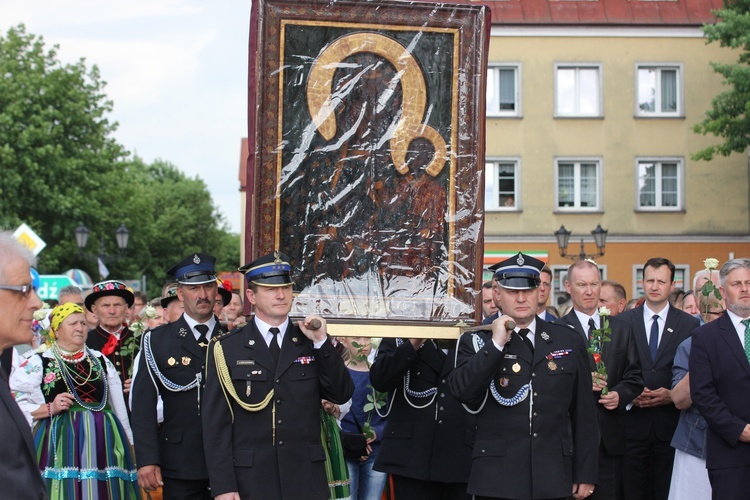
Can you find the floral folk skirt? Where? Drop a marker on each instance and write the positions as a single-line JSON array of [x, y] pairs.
[[85, 455]]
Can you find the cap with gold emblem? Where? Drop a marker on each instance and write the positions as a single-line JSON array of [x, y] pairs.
[[272, 269], [520, 272], [194, 270], [169, 297]]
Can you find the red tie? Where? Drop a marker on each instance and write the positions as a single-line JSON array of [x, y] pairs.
[[109, 347]]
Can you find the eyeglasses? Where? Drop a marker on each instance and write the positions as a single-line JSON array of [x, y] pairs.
[[25, 290], [718, 313]]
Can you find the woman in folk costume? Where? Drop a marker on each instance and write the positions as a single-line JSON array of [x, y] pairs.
[[72, 395]]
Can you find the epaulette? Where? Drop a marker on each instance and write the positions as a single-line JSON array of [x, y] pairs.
[[165, 325], [223, 335]]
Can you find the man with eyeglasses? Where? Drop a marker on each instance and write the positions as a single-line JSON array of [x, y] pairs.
[[19, 472], [720, 383]]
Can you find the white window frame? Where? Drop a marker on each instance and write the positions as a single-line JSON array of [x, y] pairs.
[[685, 279], [577, 188], [600, 88], [491, 186], [658, 161], [493, 101], [657, 113]]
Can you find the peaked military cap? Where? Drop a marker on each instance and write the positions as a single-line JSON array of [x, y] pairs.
[[194, 270], [272, 269], [169, 297], [520, 272]]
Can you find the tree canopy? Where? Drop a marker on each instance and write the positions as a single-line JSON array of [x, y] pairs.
[[62, 167], [729, 116]]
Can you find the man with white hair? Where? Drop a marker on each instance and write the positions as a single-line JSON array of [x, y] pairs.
[[19, 472]]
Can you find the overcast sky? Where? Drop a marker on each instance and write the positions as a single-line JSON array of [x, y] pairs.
[[176, 71]]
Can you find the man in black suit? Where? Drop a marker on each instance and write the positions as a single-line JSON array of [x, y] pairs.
[[264, 385], [545, 287], [624, 382], [650, 423], [428, 438], [720, 384], [530, 385], [110, 301], [19, 472], [172, 365]]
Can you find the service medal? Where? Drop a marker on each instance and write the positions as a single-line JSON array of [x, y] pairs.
[[552, 365], [171, 361], [516, 368]]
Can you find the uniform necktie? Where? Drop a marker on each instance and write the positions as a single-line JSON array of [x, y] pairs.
[[592, 327], [653, 339], [746, 322], [202, 340], [523, 332], [274, 346]]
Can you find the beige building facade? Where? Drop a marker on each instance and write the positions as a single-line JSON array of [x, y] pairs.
[[593, 125]]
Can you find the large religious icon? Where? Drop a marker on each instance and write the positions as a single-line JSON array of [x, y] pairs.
[[366, 155]]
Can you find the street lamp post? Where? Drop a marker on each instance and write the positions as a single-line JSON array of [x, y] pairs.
[[600, 239], [122, 236]]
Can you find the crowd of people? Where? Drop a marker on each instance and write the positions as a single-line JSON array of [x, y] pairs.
[[110, 395]]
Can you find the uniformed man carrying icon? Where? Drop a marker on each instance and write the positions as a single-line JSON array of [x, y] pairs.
[[537, 433], [172, 365], [264, 385]]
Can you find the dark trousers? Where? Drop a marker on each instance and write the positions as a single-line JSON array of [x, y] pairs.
[[647, 468], [496, 498], [729, 484], [609, 486], [186, 489], [414, 489]]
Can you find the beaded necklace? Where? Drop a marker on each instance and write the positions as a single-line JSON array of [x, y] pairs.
[[71, 382], [70, 357]]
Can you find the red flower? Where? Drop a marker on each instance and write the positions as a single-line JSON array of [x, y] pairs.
[[597, 358]]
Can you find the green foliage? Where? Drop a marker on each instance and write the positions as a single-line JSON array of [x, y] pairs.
[[375, 399], [61, 167], [729, 117]]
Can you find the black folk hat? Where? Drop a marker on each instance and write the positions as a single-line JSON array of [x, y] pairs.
[[225, 290], [111, 287]]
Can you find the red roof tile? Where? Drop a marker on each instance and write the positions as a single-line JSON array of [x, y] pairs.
[[604, 12]]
